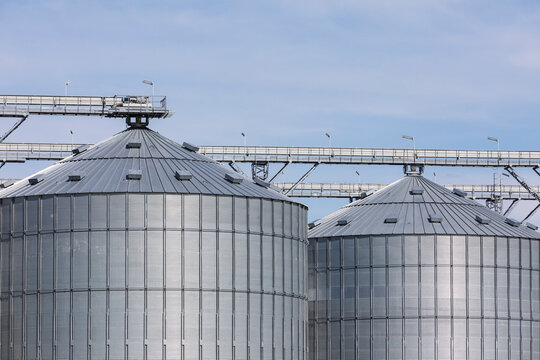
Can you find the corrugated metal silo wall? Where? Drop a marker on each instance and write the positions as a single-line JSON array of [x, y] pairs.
[[429, 297], [152, 276]]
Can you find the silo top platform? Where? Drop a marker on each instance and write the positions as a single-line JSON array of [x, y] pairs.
[[119, 106], [139, 160], [417, 206]]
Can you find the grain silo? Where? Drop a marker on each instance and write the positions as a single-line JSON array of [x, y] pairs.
[[141, 248], [416, 271]]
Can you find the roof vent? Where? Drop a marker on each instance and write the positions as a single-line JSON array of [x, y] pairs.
[[182, 175], [75, 176], [261, 182], [134, 175], [342, 222], [482, 219], [80, 149], [435, 218], [512, 222], [133, 145], [391, 219], [35, 179], [6, 184], [459, 192], [531, 226], [313, 224], [365, 194], [190, 147], [234, 178], [416, 190]]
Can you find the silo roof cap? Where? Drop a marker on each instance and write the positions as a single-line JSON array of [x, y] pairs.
[[139, 160], [415, 205]]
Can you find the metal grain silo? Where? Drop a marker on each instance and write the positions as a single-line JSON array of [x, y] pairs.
[[416, 271], [141, 248]]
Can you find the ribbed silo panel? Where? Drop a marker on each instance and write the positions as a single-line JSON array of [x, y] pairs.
[[434, 283], [108, 267]]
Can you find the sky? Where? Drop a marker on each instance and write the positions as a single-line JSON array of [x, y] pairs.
[[449, 73]]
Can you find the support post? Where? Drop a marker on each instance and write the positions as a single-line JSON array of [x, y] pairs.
[[302, 178], [511, 207], [520, 180], [138, 123], [259, 169], [14, 127], [531, 213], [495, 203], [280, 171]]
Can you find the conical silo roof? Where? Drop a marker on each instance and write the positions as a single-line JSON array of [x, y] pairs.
[[150, 159], [414, 205]]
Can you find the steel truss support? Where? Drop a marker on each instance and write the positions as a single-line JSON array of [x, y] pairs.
[[13, 128], [511, 207], [280, 171], [302, 178], [533, 211], [259, 169], [495, 203], [520, 180]]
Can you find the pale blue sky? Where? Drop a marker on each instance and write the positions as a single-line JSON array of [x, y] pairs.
[[450, 73]]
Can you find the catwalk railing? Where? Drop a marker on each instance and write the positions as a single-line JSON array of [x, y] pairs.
[[372, 156], [349, 190], [107, 106], [310, 155]]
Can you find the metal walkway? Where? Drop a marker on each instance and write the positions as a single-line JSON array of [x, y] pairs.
[[113, 106], [310, 155], [372, 156], [347, 190]]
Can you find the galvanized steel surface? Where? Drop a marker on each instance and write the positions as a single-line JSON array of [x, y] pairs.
[[366, 216], [152, 276], [99, 263], [352, 190], [13, 152], [104, 168]]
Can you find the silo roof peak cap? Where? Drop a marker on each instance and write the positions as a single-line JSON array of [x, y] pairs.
[[458, 214], [107, 163]]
